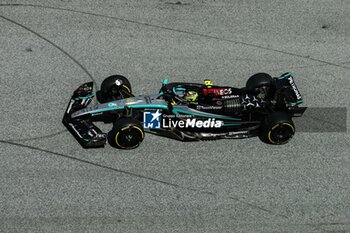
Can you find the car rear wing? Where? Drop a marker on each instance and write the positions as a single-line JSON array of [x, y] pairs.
[[288, 92], [84, 131], [286, 86]]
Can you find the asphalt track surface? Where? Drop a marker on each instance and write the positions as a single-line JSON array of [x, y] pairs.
[[48, 183]]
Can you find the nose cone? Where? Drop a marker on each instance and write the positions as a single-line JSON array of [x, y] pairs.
[[93, 110]]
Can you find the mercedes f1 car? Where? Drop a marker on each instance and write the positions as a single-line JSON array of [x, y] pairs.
[[185, 111]]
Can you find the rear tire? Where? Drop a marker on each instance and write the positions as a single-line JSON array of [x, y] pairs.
[[277, 129], [126, 134], [115, 87], [259, 83]]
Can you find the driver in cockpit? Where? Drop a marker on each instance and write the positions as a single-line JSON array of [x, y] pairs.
[[191, 96]]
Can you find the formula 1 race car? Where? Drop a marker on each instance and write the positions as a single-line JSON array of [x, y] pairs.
[[185, 111]]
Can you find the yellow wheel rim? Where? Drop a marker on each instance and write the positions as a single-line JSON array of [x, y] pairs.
[[127, 88], [128, 127], [274, 127]]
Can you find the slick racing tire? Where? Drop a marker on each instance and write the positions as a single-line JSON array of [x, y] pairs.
[[126, 134], [277, 129], [115, 87], [259, 83]]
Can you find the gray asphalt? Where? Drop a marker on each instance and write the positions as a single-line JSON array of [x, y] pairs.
[[48, 183]]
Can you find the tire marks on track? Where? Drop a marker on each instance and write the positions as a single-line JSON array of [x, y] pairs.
[[237, 199], [61, 50], [306, 57], [51, 43]]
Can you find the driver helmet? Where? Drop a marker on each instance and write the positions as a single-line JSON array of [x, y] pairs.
[[208, 83], [191, 96]]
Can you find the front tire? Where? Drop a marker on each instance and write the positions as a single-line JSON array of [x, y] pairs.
[[126, 134], [277, 129], [115, 87]]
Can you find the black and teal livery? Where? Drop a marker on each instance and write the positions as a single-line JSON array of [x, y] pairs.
[[264, 108]]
